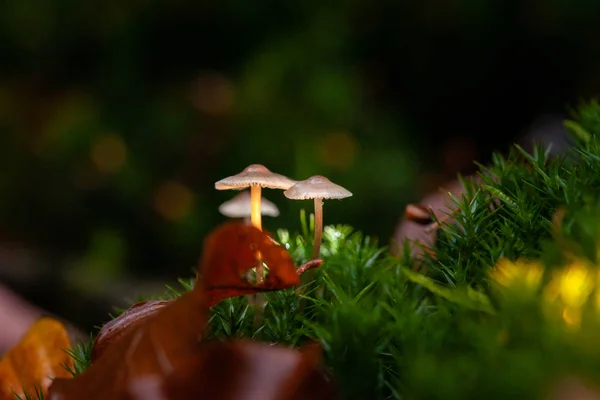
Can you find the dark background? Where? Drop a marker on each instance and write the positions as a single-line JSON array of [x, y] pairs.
[[117, 117]]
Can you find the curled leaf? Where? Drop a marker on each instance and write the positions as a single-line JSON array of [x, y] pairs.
[[153, 350], [39, 357], [154, 346], [229, 252], [418, 213], [233, 249], [114, 330]]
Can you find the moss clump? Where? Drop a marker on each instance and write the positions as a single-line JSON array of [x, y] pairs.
[[508, 306]]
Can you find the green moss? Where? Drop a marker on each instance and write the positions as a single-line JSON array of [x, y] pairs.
[[389, 332]]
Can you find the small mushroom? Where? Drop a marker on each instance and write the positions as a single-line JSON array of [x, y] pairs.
[[240, 207], [255, 177], [318, 188]]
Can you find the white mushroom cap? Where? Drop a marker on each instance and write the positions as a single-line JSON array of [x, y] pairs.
[[255, 174], [239, 207], [316, 187]]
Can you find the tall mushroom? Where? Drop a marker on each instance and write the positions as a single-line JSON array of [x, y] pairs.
[[240, 207], [255, 177], [318, 188]]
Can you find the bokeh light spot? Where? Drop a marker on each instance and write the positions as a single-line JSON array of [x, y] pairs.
[[173, 201], [213, 94], [337, 150], [109, 153]]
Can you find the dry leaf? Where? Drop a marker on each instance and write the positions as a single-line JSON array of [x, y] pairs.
[[418, 214], [114, 330], [155, 346], [39, 357], [229, 252], [241, 370], [232, 250]]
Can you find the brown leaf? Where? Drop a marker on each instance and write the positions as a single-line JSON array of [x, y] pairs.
[[241, 370], [114, 330], [152, 343], [35, 360], [418, 213], [232, 250], [229, 252], [154, 347]]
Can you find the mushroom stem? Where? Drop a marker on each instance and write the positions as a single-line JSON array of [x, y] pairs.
[[255, 216], [318, 227], [255, 206]]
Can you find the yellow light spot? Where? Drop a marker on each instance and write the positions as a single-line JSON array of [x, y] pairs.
[[519, 273], [109, 153], [337, 150], [575, 284], [173, 201]]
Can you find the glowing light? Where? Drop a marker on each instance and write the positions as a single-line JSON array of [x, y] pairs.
[[573, 285], [338, 150], [173, 201], [109, 154], [523, 273]]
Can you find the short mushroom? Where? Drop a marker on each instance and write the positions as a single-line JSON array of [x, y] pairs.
[[240, 207], [256, 177], [318, 188]]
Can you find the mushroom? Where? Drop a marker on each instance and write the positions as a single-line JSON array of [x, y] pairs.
[[256, 177], [318, 188], [240, 207]]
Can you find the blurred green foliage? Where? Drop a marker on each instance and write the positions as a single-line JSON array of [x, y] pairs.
[[509, 306], [117, 118]]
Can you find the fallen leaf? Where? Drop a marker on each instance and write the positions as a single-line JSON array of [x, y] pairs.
[[114, 330], [151, 345], [232, 250], [39, 357], [154, 346], [241, 370], [418, 213], [229, 252]]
